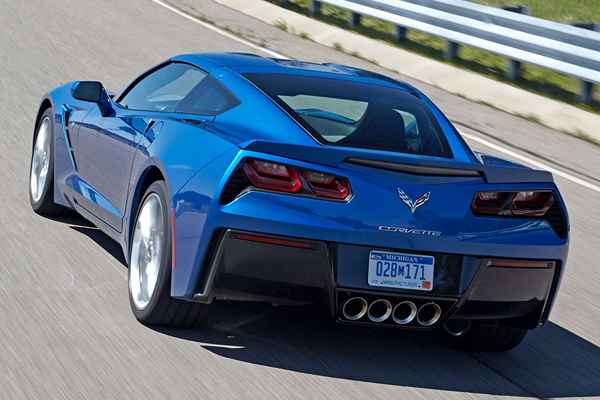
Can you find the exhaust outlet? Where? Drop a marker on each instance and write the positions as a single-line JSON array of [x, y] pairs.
[[379, 310], [457, 327], [428, 314], [404, 312], [354, 308]]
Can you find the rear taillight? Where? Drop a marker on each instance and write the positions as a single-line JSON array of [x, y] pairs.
[[327, 186], [272, 176], [534, 203], [277, 177]]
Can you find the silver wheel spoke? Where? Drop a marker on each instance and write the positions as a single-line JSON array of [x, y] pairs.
[[40, 161], [146, 251]]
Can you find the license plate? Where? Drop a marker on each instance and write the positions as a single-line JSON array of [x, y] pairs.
[[399, 270]]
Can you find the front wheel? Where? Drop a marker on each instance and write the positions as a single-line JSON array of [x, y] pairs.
[[492, 336], [150, 266], [41, 172]]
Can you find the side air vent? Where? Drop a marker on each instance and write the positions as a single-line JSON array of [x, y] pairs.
[[66, 115], [237, 183]]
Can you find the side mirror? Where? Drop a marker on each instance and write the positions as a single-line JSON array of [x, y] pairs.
[[94, 92], [88, 91]]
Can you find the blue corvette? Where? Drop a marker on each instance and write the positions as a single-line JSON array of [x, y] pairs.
[[237, 177]]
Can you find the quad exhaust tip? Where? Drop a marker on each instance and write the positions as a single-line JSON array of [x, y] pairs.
[[404, 312], [428, 314], [354, 308], [379, 310]]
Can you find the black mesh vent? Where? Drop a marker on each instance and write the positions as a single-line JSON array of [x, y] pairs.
[[556, 219], [236, 185]]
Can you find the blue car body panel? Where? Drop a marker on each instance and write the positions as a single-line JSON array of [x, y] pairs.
[[101, 162]]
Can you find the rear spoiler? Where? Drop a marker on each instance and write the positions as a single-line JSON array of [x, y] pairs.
[[406, 163], [516, 174]]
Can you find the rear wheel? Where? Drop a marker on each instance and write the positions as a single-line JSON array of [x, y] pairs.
[[489, 336], [150, 266], [41, 172]]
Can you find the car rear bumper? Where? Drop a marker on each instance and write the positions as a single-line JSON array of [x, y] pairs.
[[283, 270]]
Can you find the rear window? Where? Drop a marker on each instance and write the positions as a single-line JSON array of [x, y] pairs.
[[347, 113]]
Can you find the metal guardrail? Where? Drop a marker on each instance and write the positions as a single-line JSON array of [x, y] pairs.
[[521, 38]]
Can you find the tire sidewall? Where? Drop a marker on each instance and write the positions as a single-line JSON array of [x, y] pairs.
[[48, 186], [163, 286]]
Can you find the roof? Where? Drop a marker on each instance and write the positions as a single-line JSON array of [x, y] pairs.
[[253, 63]]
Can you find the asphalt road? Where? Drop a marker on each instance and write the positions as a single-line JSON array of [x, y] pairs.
[[66, 330]]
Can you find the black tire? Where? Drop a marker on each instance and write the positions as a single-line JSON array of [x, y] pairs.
[[488, 337], [162, 309], [45, 205]]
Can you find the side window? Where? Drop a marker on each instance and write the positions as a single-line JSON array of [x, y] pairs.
[[209, 97], [163, 89], [412, 134]]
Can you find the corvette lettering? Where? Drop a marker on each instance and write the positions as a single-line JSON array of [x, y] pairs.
[[410, 231]]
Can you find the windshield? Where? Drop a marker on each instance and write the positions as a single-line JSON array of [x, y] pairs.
[[347, 113]]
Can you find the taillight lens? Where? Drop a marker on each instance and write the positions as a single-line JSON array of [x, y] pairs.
[[278, 177], [272, 176], [492, 203], [327, 186], [534, 204], [526, 203]]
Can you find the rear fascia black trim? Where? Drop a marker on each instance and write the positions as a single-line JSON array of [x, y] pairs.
[[211, 264], [552, 292]]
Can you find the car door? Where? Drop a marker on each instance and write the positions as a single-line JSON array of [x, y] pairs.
[[108, 144]]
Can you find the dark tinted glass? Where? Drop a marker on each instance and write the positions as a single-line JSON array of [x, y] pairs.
[[179, 87], [348, 113], [209, 97]]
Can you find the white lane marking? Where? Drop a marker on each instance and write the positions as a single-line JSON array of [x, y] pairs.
[[477, 139], [221, 346], [532, 162], [219, 30]]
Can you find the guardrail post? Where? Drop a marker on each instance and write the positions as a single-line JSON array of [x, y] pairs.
[[520, 9], [586, 92], [590, 26], [514, 70], [586, 95], [314, 7], [451, 52], [400, 33], [355, 20], [514, 67]]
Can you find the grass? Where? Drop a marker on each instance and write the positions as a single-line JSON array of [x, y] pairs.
[[281, 24], [534, 79], [531, 118], [566, 11]]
